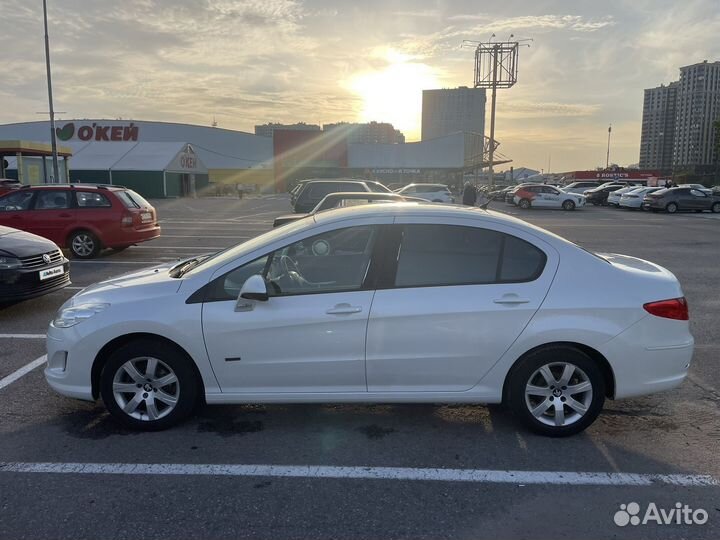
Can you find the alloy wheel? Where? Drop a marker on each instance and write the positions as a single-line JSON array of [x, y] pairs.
[[83, 245], [146, 388], [558, 394]]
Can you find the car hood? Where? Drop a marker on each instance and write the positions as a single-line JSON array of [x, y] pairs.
[[140, 284], [18, 243]]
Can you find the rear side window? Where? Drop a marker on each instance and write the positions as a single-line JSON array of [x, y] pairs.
[[52, 200], [91, 199], [442, 255]]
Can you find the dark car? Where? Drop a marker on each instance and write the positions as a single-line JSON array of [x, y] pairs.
[[314, 191], [599, 195], [336, 200], [681, 198], [30, 266]]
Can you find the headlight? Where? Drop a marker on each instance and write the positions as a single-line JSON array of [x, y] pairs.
[[74, 315], [8, 263]]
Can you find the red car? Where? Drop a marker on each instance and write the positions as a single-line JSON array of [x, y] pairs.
[[83, 218]]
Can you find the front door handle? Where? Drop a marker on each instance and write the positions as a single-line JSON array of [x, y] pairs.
[[511, 299], [343, 309]]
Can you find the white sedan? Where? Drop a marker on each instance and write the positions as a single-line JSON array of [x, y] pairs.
[[429, 192], [634, 198], [398, 302], [544, 196], [614, 196]]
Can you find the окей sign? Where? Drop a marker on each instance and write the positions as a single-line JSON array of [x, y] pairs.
[[97, 132]]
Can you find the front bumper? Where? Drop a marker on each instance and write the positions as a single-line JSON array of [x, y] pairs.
[[25, 283], [69, 373]]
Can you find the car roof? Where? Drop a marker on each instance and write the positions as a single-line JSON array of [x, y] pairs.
[[336, 181], [427, 184], [105, 187], [362, 195]]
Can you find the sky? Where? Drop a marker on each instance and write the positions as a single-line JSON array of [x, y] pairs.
[[247, 62]]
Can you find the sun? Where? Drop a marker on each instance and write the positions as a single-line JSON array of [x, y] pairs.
[[394, 93]]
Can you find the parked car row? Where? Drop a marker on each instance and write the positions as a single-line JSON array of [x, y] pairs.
[[690, 198]]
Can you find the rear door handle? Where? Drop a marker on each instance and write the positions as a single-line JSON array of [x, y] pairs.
[[511, 299], [343, 309]]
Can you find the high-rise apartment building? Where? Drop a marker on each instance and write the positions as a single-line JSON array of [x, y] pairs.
[[266, 130], [678, 129], [658, 127], [698, 108], [449, 110]]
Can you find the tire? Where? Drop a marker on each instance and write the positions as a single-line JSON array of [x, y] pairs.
[[568, 205], [528, 374], [83, 245], [715, 208], [436, 200], [146, 397], [524, 204], [671, 208]]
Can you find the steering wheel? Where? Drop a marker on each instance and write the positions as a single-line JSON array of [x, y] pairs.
[[292, 270]]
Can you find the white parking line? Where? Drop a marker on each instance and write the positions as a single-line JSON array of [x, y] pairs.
[[23, 336], [15, 375], [369, 473]]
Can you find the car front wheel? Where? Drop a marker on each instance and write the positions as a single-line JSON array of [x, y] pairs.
[[671, 208], [524, 204], [148, 385], [715, 208], [556, 391], [84, 245], [568, 205]]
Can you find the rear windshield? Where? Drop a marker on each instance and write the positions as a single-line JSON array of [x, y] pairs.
[[132, 200]]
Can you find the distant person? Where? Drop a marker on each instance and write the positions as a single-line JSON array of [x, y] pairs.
[[240, 190], [469, 196], [668, 184]]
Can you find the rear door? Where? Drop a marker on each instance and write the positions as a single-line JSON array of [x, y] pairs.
[[454, 299], [52, 214]]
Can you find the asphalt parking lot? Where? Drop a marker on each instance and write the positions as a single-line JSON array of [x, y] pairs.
[[353, 471]]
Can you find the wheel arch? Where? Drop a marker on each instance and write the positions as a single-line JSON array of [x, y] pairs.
[[104, 353], [603, 364]]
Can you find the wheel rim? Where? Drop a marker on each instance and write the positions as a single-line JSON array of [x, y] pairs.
[[716, 208], [558, 394], [568, 205], [671, 208], [146, 388], [83, 244]]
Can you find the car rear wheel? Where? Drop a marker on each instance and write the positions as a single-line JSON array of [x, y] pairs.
[[148, 385], [671, 208], [524, 204], [556, 391], [568, 205], [84, 244], [715, 208]]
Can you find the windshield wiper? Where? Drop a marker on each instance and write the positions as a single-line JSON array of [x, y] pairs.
[[180, 270]]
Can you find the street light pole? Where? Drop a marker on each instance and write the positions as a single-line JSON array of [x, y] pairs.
[[53, 136], [607, 159]]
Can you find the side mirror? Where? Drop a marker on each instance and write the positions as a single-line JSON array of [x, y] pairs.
[[254, 288]]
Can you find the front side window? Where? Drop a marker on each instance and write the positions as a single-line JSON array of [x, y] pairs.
[[443, 255], [52, 200], [16, 201], [333, 261]]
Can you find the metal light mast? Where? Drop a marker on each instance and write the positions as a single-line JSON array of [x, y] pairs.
[[496, 66], [53, 137]]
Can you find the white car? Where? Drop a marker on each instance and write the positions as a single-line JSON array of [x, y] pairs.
[[634, 198], [544, 196], [580, 187], [398, 302], [429, 192], [614, 196]]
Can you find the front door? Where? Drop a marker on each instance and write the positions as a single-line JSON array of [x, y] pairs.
[[309, 336], [460, 296]]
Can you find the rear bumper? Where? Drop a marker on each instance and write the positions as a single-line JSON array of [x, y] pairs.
[[651, 356], [129, 236]]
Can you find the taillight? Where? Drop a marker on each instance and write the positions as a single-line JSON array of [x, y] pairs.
[[675, 308], [126, 220]]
